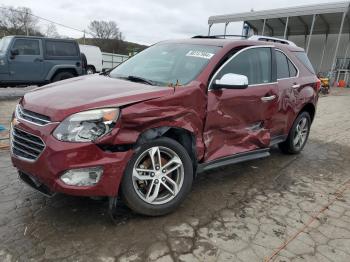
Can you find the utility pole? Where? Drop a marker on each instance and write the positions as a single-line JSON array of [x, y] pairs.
[[26, 22], [84, 37]]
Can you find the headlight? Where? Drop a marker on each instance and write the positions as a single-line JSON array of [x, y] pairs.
[[87, 126]]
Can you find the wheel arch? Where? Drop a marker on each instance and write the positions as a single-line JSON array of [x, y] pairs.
[[310, 108], [183, 136], [62, 68], [92, 66]]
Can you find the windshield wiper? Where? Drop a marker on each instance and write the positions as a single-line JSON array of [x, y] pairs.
[[106, 72], [140, 79]]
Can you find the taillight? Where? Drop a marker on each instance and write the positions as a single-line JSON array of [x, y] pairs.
[[318, 85]]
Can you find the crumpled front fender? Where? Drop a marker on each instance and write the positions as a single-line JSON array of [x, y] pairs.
[[185, 109]]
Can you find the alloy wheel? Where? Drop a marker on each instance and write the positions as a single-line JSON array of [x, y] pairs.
[[301, 133], [158, 175]]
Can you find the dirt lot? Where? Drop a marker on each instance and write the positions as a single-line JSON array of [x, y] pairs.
[[287, 208]]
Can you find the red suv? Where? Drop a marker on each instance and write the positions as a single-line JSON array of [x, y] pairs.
[[145, 129]]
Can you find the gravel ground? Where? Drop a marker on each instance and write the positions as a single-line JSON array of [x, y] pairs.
[[14, 92], [282, 208]]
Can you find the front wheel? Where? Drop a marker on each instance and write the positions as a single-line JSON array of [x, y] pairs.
[[158, 177], [298, 135]]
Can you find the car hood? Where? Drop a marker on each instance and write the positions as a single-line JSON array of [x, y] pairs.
[[60, 99]]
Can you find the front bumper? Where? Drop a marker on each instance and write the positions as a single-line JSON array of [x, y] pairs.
[[58, 157]]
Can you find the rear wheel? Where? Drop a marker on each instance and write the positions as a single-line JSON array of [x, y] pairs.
[[298, 135], [90, 70], [157, 178], [62, 76]]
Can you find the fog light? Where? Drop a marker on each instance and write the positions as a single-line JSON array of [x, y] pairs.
[[82, 177]]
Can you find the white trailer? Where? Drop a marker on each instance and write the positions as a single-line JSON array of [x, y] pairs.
[[94, 58]]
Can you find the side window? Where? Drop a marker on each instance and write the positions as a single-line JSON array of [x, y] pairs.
[[27, 46], [292, 70], [60, 48], [282, 65], [255, 63], [285, 68]]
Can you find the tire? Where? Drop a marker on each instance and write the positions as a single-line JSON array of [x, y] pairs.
[[62, 76], [140, 195], [90, 70], [294, 145]]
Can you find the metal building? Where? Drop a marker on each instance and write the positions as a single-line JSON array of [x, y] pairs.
[[322, 29]]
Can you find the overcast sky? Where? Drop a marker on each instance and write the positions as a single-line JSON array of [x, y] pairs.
[[148, 21]]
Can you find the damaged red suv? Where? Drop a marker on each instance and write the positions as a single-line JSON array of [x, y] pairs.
[[143, 131]]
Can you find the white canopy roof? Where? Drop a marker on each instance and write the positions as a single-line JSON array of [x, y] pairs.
[[328, 19]]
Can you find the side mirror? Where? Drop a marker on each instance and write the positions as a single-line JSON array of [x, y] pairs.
[[231, 81], [14, 53]]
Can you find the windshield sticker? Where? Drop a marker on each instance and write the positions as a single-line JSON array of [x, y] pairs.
[[200, 54]]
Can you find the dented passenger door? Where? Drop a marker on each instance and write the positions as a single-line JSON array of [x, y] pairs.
[[239, 117]]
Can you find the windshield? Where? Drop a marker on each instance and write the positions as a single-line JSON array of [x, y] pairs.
[[4, 42], [167, 63]]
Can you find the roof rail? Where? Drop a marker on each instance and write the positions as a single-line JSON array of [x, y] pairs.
[[271, 39], [218, 36]]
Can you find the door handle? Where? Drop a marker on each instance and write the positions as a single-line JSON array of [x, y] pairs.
[[295, 86], [38, 60], [268, 98]]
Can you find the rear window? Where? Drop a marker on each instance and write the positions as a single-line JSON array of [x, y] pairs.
[[59, 48], [305, 60], [293, 71], [282, 65], [285, 68]]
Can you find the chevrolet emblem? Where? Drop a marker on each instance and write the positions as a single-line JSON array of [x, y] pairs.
[[15, 121]]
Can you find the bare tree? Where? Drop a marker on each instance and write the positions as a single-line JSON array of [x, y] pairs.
[[51, 31], [26, 19], [18, 21], [8, 21], [105, 30]]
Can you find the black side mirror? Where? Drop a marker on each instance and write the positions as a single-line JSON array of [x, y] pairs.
[[14, 53]]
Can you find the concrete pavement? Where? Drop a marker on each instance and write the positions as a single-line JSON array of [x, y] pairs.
[[282, 208]]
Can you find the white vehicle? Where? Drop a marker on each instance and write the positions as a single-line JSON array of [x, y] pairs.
[[94, 58]]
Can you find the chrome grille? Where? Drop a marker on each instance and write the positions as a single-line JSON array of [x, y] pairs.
[[25, 145], [32, 117]]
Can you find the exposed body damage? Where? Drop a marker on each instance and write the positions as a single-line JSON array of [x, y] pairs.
[[231, 130], [184, 109]]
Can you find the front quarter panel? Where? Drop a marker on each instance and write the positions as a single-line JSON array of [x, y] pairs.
[[185, 109]]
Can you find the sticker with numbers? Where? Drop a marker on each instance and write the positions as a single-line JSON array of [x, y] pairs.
[[200, 54]]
